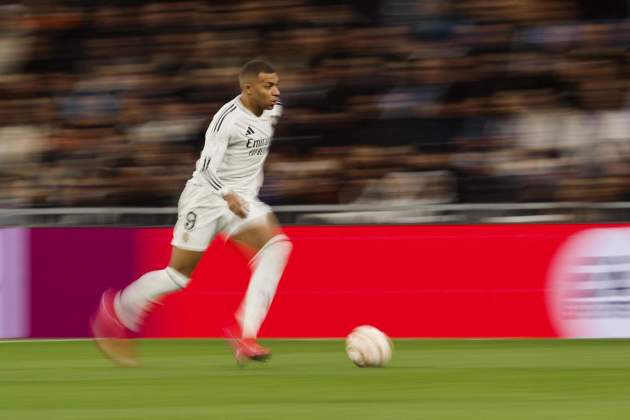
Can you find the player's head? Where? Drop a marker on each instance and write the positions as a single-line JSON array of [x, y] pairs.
[[259, 83]]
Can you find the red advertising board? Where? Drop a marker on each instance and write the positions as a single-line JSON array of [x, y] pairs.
[[410, 281]]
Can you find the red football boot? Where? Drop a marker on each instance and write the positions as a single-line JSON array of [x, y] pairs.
[[110, 335], [246, 349]]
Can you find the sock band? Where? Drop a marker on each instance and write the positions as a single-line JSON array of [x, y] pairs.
[[277, 238], [176, 277]]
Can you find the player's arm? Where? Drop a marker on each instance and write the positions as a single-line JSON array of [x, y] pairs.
[[217, 138], [237, 205]]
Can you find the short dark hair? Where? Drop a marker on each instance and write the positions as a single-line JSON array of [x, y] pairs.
[[253, 67]]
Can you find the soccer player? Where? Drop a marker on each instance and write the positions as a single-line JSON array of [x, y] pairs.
[[220, 197]]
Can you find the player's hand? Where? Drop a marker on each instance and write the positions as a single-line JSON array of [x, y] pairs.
[[237, 205]]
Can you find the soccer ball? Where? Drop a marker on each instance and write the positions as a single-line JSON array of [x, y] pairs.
[[367, 346]]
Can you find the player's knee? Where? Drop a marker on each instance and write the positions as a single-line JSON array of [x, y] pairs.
[[183, 269], [184, 261]]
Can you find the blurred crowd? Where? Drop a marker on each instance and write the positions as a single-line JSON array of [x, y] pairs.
[[105, 103]]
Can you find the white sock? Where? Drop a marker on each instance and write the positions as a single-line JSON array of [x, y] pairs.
[[133, 302], [268, 265]]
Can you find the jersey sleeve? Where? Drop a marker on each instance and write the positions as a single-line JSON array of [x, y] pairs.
[[217, 139]]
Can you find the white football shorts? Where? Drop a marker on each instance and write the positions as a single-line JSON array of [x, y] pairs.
[[202, 214]]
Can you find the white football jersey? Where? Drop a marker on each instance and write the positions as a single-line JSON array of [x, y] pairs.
[[237, 144]]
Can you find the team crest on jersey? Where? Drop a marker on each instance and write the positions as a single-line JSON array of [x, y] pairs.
[[191, 219]]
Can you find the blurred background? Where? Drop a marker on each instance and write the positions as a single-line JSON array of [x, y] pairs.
[[439, 107]]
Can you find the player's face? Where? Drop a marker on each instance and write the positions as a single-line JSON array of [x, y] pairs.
[[265, 91]]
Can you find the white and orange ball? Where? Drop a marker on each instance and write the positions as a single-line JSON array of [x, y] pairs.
[[368, 346]]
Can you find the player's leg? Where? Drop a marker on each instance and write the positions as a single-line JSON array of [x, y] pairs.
[[120, 315], [272, 249], [133, 303], [264, 236]]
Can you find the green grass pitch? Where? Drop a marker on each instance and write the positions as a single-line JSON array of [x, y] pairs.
[[427, 379]]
